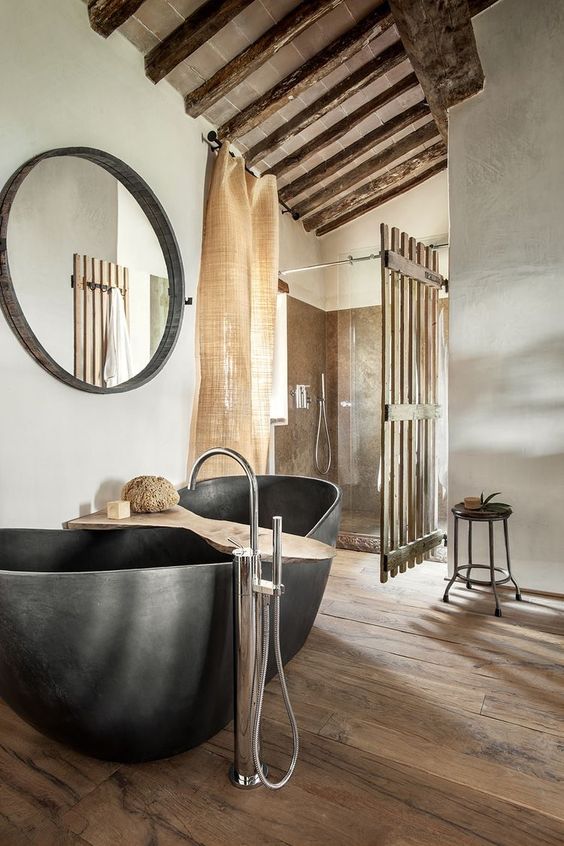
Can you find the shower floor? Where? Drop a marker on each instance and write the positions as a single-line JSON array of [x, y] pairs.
[[359, 530]]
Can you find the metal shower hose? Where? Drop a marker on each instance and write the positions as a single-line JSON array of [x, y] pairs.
[[260, 693]]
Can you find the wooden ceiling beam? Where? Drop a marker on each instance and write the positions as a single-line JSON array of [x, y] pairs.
[[372, 165], [313, 70], [378, 185], [375, 68], [256, 54], [198, 28], [337, 130], [384, 197], [439, 40], [106, 15], [350, 153]]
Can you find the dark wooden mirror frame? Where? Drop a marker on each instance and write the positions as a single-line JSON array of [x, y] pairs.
[[166, 238]]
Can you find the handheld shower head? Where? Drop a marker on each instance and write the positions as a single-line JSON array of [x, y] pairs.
[[322, 421]]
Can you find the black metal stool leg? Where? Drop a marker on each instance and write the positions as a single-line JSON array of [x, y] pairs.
[[517, 589], [455, 574], [469, 570], [492, 569]]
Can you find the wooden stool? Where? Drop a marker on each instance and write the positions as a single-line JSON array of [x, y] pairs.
[[490, 517]]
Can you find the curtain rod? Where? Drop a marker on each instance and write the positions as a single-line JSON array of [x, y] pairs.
[[215, 144], [348, 260]]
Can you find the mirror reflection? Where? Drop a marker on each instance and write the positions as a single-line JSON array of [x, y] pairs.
[[88, 270]]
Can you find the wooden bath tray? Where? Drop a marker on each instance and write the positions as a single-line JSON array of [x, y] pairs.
[[218, 533]]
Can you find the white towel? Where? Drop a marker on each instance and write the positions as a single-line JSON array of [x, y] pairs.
[[117, 365]]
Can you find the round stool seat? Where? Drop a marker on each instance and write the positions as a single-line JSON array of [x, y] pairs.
[[483, 516]]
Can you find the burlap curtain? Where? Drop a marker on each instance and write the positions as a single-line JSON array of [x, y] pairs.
[[236, 310]]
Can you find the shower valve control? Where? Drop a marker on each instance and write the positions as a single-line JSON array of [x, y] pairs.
[[345, 404], [301, 397]]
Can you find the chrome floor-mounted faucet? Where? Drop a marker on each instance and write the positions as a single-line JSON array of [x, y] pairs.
[[251, 595]]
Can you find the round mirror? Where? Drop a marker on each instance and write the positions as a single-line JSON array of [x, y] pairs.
[[91, 275]]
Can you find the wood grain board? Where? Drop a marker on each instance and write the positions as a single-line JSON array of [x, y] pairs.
[[221, 534], [420, 724]]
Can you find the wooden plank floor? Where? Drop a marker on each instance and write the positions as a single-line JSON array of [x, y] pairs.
[[421, 723]]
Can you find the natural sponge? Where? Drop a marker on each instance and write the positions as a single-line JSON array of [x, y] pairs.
[[149, 494]]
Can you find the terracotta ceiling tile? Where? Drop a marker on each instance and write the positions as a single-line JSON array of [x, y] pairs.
[[371, 122], [253, 21], [138, 34], [185, 7], [184, 78], [264, 78], [387, 38], [253, 137], [286, 60], [205, 61], [221, 111], [230, 41], [310, 132], [159, 17], [310, 95], [243, 93], [324, 31], [401, 133], [272, 123], [397, 73], [332, 117], [278, 8]]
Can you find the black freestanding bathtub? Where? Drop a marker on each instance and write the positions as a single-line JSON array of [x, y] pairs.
[[119, 643]]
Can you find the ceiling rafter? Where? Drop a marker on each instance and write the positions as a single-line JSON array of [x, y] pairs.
[[256, 54], [198, 28], [436, 43], [350, 153], [439, 40], [313, 70], [359, 79], [106, 15], [379, 199], [377, 185], [372, 165], [337, 130]]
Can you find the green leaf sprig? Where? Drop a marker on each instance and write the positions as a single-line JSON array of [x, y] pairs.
[[486, 503]]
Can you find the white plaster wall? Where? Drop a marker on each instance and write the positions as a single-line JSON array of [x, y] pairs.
[[61, 450], [299, 248], [507, 283], [421, 212]]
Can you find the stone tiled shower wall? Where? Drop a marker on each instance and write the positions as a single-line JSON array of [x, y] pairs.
[[346, 346], [295, 443]]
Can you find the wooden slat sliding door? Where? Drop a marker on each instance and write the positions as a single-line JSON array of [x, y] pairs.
[[92, 280], [409, 491]]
